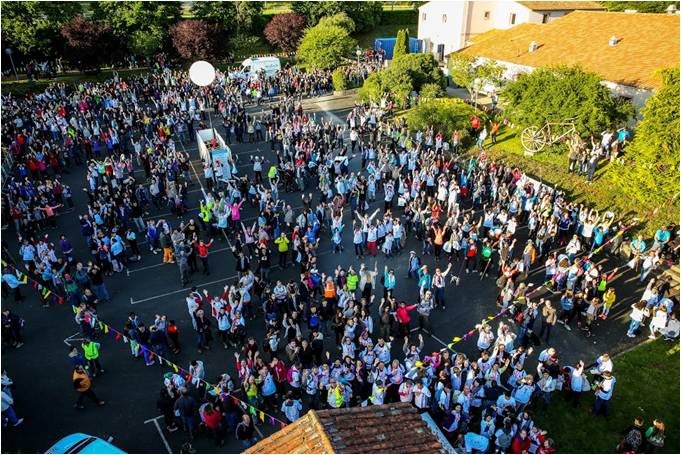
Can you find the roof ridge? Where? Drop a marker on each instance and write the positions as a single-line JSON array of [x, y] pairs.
[[322, 432]]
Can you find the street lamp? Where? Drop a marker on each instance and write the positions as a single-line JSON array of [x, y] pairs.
[[202, 74], [9, 52], [358, 52]]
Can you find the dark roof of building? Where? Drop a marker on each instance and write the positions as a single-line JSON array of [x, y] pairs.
[[388, 428]]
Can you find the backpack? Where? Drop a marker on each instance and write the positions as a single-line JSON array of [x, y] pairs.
[[504, 440], [314, 321], [634, 438]]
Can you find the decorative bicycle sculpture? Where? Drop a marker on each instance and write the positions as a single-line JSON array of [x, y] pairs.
[[535, 139]]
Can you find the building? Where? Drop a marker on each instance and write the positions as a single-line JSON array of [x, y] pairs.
[[448, 26], [626, 49], [388, 428]]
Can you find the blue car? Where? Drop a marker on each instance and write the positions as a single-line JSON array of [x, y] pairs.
[[83, 443]]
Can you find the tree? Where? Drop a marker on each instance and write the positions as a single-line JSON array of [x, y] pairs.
[[406, 74], [445, 115], [340, 80], [235, 18], [126, 18], [341, 20], [420, 68], [325, 47], [473, 74], [653, 177], [366, 15], [147, 43], [196, 39], [554, 94], [285, 31], [402, 43], [431, 91], [88, 44], [34, 28], [643, 7]]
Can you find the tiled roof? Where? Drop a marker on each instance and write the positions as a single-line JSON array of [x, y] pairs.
[[646, 43], [304, 436], [389, 428], [562, 6]]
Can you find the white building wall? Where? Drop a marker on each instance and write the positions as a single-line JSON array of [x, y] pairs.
[[441, 23]]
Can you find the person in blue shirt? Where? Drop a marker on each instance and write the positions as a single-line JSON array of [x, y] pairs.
[[424, 278], [389, 281], [604, 389], [662, 237]]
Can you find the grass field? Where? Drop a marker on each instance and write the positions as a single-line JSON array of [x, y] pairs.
[[647, 386], [552, 167]]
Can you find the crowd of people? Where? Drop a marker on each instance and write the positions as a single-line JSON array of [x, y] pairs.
[[468, 216]]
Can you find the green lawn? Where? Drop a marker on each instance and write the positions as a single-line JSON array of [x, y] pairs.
[[24, 86], [552, 166], [647, 386]]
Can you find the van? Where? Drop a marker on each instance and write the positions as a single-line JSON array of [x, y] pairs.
[[84, 443], [256, 65]]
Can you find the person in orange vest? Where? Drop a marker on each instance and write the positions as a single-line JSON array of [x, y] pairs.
[[329, 289], [83, 385]]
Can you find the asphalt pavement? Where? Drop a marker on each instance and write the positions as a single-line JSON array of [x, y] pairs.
[[44, 394]]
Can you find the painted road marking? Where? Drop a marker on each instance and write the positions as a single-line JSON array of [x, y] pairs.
[[160, 432]]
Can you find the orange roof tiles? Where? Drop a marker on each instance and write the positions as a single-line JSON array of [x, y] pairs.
[[561, 6], [390, 428], [646, 43]]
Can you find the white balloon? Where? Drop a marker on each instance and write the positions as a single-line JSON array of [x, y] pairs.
[[202, 73]]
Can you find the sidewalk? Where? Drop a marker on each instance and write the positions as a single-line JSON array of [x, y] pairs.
[[483, 100]]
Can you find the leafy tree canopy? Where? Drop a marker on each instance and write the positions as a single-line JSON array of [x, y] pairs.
[[147, 42], [445, 115], [325, 47], [653, 178], [366, 15], [33, 28], [126, 18], [401, 43], [421, 69], [473, 74], [89, 44], [196, 39], [643, 7], [555, 94], [238, 17], [285, 31], [341, 20]]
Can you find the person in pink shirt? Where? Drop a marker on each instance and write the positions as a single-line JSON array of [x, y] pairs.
[[235, 210]]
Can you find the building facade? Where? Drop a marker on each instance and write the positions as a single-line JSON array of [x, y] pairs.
[[447, 26]]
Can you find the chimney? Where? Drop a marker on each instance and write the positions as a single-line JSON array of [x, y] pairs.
[[613, 40], [533, 46]]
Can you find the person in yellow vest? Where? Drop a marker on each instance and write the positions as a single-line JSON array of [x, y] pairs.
[[91, 351], [352, 280], [83, 385], [282, 246], [334, 396]]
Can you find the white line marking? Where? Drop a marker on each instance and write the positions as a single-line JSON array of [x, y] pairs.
[[160, 432], [72, 338], [135, 302], [162, 264]]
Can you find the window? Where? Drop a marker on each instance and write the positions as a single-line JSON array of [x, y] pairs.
[[423, 16], [487, 14], [444, 18], [512, 18], [545, 18]]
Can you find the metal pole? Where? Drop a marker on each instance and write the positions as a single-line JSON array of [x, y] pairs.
[[13, 67]]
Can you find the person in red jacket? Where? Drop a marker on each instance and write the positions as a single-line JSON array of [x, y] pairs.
[[521, 443], [212, 418], [278, 368], [202, 250], [403, 318]]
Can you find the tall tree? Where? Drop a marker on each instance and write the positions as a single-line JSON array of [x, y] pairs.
[[366, 15], [466, 71], [554, 94], [235, 17], [325, 47], [130, 19], [342, 20], [401, 43], [196, 39], [285, 31], [653, 177], [33, 28], [88, 44]]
